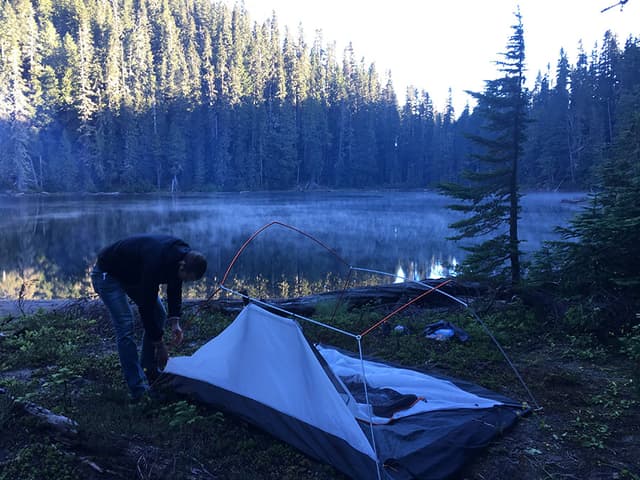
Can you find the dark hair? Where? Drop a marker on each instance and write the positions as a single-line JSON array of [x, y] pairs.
[[194, 262]]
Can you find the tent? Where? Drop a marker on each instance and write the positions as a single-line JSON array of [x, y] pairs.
[[367, 418]]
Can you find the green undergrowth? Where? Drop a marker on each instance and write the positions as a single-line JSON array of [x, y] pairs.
[[40, 460], [69, 365]]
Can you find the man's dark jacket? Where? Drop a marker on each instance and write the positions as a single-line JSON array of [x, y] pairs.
[[141, 264]]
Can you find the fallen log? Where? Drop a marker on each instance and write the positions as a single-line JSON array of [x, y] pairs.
[[58, 423], [388, 294]]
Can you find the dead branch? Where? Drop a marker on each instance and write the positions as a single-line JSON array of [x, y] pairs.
[[621, 3], [58, 423]]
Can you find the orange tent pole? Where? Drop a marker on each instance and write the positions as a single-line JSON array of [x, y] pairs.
[[402, 307]]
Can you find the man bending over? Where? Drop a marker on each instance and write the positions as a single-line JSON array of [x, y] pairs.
[[135, 267]]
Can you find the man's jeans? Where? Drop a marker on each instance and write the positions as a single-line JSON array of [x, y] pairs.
[[114, 296]]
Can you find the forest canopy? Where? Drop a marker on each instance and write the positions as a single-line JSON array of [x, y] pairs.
[[145, 95]]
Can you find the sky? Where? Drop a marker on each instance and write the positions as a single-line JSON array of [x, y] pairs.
[[437, 45]]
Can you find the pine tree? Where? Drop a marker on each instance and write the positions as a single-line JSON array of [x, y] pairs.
[[278, 169], [607, 85], [491, 198], [47, 102], [428, 124], [466, 126], [580, 119], [19, 74], [83, 77], [387, 131], [417, 124], [600, 254], [313, 132], [338, 117], [364, 172], [547, 161], [141, 103], [447, 166], [560, 120], [603, 253]]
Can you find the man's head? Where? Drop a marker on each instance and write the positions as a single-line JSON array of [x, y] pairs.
[[192, 266]]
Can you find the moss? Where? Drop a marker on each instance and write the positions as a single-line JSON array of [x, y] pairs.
[[39, 461], [178, 436]]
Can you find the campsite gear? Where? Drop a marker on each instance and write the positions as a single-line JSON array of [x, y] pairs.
[[399, 330], [367, 418], [443, 330], [384, 321], [441, 334]]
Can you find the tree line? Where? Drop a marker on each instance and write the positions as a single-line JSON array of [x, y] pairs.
[[594, 267], [145, 95]]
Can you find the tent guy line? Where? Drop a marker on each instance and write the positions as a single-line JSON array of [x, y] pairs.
[[286, 312], [352, 268]]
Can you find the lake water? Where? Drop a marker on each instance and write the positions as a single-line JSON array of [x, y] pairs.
[[49, 243]]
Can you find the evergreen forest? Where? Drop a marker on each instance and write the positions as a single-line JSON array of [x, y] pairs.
[[193, 95], [196, 96]]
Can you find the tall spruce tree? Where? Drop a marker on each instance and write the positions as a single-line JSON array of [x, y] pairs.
[[387, 131], [548, 156], [491, 196], [81, 57], [19, 69], [580, 118], [444, 138], [409, 137]]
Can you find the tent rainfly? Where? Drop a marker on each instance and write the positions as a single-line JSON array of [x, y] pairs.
[[367, 418]]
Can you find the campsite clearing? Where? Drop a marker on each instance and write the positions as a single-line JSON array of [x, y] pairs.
[[589, 427]]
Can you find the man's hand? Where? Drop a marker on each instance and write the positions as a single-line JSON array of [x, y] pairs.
[[176, 331], [162, 355]]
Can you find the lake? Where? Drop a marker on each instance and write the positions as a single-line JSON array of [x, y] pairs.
[[49, 242]]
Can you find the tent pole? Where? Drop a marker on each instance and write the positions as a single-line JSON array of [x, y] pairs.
[[370, 408], [287, 312], [474, 315]]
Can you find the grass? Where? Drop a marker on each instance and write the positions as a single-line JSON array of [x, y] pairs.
[[590, 422]]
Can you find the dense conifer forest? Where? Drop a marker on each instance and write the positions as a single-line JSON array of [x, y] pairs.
[[146, 95], [194, 95]]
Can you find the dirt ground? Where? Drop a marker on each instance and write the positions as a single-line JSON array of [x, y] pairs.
[[587, 426]]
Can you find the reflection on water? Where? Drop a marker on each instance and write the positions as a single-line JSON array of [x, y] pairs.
[[49, 243], [434, 269]]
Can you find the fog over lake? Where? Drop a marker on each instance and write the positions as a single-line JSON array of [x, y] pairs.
[[54, 239]]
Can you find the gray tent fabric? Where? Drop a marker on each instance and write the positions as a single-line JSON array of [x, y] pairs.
[[264, 370]]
